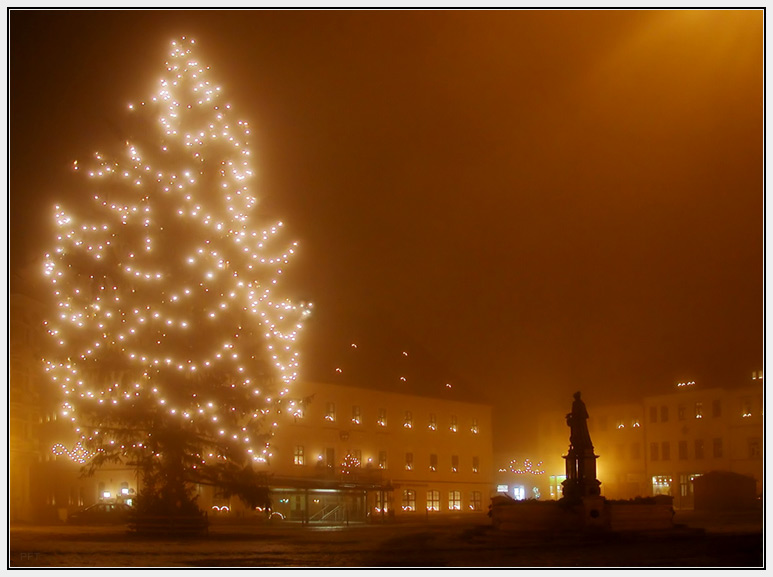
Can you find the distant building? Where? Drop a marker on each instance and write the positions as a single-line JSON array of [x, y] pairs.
[[340, 454], [24, 404], [694, 431], [660, 445], [354, 454]]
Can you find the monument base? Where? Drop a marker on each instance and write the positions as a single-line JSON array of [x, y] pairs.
[[581, 482], [589, 514]]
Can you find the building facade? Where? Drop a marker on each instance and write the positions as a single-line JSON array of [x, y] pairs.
[[339, 454], [695, 431], [661, 444], [351, 454], [23, 406]]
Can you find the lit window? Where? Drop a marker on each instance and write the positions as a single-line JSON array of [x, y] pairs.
[[381, 502], [474, 428], [382, 459], [454, 424], [296, 410], [661, 485], [409, 500], [475, 501], [330, 412], [454, 500], [298, 455], [356, 416], [432, 422], [408, 421], [382, 418], [433, 500]]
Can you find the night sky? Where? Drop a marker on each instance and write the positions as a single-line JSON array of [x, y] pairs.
[[527, 203]]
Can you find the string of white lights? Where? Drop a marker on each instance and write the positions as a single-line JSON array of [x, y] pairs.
[[164, 300]]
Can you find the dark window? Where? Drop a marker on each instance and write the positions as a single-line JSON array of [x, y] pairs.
[[682, 450], [665, 451], [699, 449]]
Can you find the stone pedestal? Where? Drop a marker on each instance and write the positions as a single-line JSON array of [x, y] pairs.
[[581, 479]]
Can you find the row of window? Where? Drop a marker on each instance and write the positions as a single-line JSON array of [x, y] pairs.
[[682, 412], [697, 411], [662, 451], [408, 421], [601, 423], [433, 503], [353, 459], [662, 414]]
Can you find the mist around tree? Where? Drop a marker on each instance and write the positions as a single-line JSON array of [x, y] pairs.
[[170, 350]]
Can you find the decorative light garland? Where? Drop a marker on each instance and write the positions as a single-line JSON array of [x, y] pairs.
[[527, 469], [78, 453]]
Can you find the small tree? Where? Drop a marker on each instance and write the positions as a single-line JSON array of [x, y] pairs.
[[169, 346]]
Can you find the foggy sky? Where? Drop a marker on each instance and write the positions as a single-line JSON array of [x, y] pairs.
[[542, 202]]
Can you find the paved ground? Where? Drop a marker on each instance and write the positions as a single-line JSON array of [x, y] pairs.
[[697, 541]]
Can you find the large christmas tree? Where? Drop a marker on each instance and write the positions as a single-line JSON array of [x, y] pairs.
[[171, 350]]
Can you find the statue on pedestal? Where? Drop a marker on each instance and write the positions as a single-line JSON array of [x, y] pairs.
[[580, 461]]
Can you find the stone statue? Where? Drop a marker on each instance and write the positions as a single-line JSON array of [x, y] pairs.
[[581, 479], [579, 437]]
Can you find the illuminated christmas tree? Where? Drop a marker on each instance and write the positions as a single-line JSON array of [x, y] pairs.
[[171, 350]]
